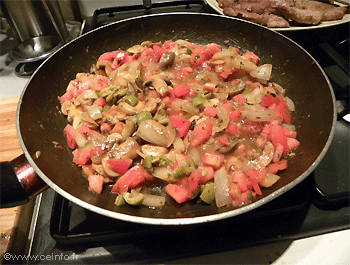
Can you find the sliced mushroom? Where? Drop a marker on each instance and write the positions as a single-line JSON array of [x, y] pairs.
[[128, 149], [150, 105], [154, 150], [166, 60], [136, 49]]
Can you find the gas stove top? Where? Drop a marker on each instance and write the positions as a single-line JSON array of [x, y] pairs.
[[284, 230]]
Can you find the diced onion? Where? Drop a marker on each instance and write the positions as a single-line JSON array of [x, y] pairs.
[[290, 103], [184, 105], [80, 139], [153, 200], [179, 145], [255, 96], [223, 117], [222, 186], [269, 180], [94, 112], [153, 132], [243, 64], [89, 94], [262, 116], [262, 72], [163, 173]]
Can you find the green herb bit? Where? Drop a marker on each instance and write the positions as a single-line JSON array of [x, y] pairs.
[[250, 196]]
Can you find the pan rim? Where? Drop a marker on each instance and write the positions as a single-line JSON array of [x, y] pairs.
[[187, 220]]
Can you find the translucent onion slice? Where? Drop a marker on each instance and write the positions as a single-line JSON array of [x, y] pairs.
[[163, 173], [94, 112], [269, 180], [80, 139], [290, 103], [153, 200], [223, 118], [88, 94], [262, 115], [155, 133], [262, 72], [222, 186]]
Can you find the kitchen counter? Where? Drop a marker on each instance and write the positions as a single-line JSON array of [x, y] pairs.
[[15, 221]]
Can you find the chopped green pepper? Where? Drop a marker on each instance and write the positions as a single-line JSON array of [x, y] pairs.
[[161, 115], [182, 171], [143, 116], [133, 198], [150, 161], [208, 193], [131, 100], [199, 99], [119, 200]]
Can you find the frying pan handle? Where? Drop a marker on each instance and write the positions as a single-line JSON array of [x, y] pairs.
[[18, 183]]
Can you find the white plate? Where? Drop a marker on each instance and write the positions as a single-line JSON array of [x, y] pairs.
[[214, 4]]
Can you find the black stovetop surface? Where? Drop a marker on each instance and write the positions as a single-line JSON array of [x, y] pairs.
[[318, 205]]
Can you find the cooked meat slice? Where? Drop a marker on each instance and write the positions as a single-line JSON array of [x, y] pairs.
[[274, 21], [277, 13], [302, 16], [329, 12], [269, 20]]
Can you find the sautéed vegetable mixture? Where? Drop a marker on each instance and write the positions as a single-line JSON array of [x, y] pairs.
[[179, 120]]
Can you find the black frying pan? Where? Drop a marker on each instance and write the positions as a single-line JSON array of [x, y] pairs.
[[39, 121]]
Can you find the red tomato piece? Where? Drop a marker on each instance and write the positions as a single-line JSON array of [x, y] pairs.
[[201, 133], [100, 102], [131, 179], [70, 132], [239, 99], [169, 44], [105, 127], [102, 82], [213, 159], [212, 48], [236, 115], [277, 136], [226, 74], [267, 100], [209, 87], [96, 183], [223, 139], [292, 144], [210, 111], [82, 157], [241, 180], [109, 56], [66, 96], [273, 168], [153, 94], [228, 106], [181, 125], [250, 56], [85, 130], [177, 192], [181, 91], [232, 128], [199, 56], [158, 51], [120, 166], [207, 173]]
